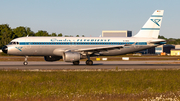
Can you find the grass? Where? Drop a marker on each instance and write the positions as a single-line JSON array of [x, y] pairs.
[[92, 85]]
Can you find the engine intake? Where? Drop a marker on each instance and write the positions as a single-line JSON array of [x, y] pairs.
[[71, 56], [52, 58]]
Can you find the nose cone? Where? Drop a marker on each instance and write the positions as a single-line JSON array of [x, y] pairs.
[[5, 49]]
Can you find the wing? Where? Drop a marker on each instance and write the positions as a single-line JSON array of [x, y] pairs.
[[88, 51], [98, 49]]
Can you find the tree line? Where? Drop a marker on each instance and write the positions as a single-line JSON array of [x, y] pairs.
[[7, 33], [170, 40]]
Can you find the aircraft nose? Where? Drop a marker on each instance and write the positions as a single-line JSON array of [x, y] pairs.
[[5, 49]]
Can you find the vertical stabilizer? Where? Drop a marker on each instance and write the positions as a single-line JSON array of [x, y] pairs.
[[152, 27]]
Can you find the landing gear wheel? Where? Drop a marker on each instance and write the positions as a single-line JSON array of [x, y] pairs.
[[89, 62], [76, 63], [25, 63]]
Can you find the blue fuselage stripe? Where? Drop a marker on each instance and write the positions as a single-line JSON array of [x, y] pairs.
[[81, 43]]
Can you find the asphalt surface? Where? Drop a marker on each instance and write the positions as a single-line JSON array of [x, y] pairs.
[[98, 65]]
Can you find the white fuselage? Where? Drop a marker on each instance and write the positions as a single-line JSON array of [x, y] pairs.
[[46, 46]]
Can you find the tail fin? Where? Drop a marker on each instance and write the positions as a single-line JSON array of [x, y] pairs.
[[152, 27]]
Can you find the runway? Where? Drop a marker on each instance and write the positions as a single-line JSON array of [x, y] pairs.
[[102, 65]]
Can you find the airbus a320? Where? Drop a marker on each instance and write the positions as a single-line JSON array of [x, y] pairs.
[[73, 49]]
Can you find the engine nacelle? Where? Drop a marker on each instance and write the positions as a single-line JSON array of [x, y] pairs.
[[52, 58], [71, 56]]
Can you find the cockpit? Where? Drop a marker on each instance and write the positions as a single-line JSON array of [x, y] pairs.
[[13, 43]]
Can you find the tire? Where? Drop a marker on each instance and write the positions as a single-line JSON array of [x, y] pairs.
[[25, 63], [89, 62]]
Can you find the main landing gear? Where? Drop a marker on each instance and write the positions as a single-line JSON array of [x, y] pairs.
[[89, 62], [25, 61]]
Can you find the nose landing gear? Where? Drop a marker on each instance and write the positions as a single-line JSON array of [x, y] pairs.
[[25, 61]]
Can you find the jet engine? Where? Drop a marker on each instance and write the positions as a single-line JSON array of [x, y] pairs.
[[52, 58], [71, 56]]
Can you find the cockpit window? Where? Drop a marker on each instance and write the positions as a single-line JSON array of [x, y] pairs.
[[13, 43]]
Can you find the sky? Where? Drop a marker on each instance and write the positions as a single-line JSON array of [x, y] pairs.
[[89, 17]]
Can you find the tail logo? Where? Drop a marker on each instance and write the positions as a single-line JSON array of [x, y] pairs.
[[156, 21]]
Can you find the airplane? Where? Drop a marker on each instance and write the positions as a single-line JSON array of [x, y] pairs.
[[73, 49]]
